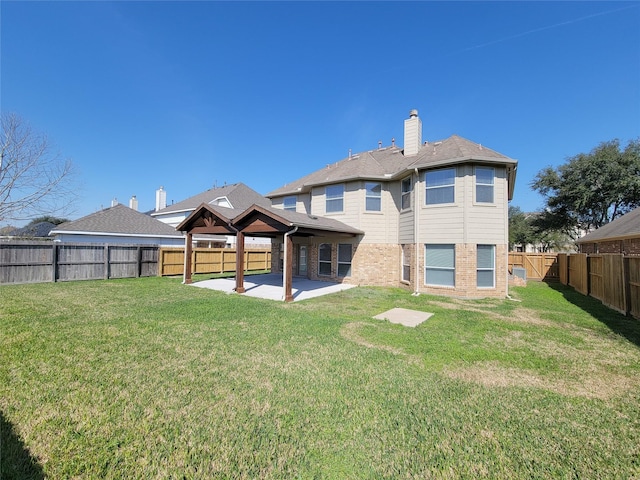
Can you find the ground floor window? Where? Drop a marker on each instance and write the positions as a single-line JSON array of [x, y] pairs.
[[486, 270], [440, 265], [406, 263], [344, 259], [324, 259]]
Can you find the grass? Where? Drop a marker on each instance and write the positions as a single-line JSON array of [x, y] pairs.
[[148, 378]]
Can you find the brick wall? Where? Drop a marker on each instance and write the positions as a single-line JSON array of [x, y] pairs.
[[628, 246], [466, 279], [381, 265]]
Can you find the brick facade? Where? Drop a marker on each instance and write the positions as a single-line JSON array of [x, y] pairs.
[[381, 265], [627, 246]]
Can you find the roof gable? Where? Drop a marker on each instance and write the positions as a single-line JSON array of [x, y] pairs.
[[239, 196]]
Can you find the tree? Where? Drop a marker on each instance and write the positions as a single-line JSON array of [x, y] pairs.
[[33, 179], [520, 231], [47, 218], [591, 189]]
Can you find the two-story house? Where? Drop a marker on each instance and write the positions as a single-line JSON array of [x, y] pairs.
[[433, 217]]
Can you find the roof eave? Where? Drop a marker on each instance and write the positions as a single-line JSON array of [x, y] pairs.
[[113, 234]]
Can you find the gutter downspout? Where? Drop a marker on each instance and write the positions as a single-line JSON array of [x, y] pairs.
[[285, 266], [416, 218]]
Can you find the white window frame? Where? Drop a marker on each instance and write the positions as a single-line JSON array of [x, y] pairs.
[[405, 264], [439, 268], [370, 195], [486, 268], [485, 186], [439, 187], [342, 262], [336, 198], [322, 261], [405, 194], [286, 203]]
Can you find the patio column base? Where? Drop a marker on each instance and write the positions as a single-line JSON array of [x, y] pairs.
[[288, 298], [240, 290]]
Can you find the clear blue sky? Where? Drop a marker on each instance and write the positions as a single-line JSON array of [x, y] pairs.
[[189, 94]]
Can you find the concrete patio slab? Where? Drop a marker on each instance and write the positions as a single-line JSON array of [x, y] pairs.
[[404, 316], [269, 286]]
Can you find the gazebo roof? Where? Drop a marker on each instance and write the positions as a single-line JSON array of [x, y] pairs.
[[259, 220]]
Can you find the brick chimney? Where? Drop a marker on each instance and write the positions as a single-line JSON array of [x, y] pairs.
[[412, 134]]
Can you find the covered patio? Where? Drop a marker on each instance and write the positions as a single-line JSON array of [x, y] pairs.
[[270, 286], [260, 221]]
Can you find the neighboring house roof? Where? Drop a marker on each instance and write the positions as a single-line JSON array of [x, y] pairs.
[[625, 226], [238, 195], [40, 229], [390, 163], [118, 220]]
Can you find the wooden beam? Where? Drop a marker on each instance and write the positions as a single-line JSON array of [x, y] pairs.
[[188, 249], [240, 263], [288, 273]]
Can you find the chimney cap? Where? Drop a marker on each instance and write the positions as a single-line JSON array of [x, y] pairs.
[[413, 113]]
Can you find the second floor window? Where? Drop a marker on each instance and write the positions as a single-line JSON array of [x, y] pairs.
[[484, 184], [406, 193], [440, 186], [373, 202], [289, 203], [334, 198]]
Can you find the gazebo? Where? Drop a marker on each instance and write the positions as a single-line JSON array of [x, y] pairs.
[[258, 221]]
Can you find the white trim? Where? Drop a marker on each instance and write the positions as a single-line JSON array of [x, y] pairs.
[[113, 234]]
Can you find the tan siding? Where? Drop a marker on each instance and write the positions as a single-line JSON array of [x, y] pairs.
[[304, 203], [406, 230], [487, 223], [380, 227], [442, 223]]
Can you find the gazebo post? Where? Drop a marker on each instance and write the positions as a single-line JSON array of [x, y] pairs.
[[188, 249], [288, 271], [240, 263]]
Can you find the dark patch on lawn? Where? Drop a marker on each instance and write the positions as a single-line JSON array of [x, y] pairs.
[[628, 327], [16, 462]]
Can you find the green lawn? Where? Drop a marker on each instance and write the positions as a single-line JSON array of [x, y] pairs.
[[149, 378]]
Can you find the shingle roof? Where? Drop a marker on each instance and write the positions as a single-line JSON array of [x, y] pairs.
[[118, 220], [303, 220], [627, 225], [390, 163], [239, 195], [289, 218]]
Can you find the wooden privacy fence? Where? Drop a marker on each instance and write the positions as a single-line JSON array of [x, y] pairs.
[[614, 279], [36, 262], [212, 260], [539, 266]]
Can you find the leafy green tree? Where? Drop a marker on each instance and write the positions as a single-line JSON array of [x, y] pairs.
[[47, 218], [520, 230], [590, 189]]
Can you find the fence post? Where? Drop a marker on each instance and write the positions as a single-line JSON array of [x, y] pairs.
[[106, 261], [54, 262], [139, 256], [626, 284]]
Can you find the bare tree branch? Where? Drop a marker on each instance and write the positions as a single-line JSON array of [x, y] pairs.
[[33, 179]]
